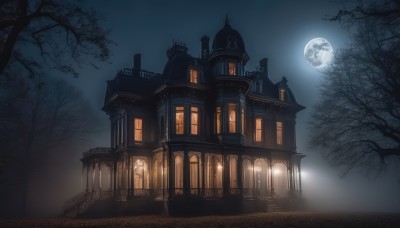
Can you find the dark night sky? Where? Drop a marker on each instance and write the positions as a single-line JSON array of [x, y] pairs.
[[278, 30]]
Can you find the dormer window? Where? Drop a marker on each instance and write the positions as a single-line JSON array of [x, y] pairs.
[[232, 68], [282, 94], [194, 76]]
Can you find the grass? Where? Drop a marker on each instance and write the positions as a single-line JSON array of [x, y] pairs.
[[275, 219]]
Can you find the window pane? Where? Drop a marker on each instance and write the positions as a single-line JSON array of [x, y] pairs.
[[279, 132], [138, 130], [218, 122], [232, 118], [232, 68], [258, 130], [178, 171], [194, 120], [194, 172], [233, 172], [179, 120], [194, 76]]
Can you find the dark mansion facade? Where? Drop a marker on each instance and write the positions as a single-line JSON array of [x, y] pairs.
[[203, 136]]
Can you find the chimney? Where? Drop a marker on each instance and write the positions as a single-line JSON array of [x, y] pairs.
[[137, 62], [264, 67], [205, 49]]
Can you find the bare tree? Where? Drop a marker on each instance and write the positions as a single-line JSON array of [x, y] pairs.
[[59, 31], [357, 120], [38, 117]]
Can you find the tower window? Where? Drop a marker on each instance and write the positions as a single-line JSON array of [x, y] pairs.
[[194, 120], [218, 120], [279, 132], [179, 120], [232, 68], [232, 118], [258, 137], [194, 76], [138, 130], [282, 94]]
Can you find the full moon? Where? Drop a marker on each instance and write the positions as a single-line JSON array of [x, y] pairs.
[[318, 52]]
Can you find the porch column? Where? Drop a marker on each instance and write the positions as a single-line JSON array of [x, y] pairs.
[[203, 180], [226, 177], [186, 173], [130, 176], [87, 178], [93, 176], [100, 176], [239, 174]]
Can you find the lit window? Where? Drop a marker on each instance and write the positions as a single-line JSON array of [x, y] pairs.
[[194, 76], [178, 172], [232, 68], [279, 132], [194, 127], [218, 122], [258, 130], [282, 95], [138, 130], [179, 120], [232, 118]]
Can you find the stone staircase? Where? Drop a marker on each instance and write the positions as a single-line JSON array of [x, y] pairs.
[[81, 202], [273, 205]]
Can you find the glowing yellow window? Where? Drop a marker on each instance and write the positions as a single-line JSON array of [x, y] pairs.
[[218, 120], [232, 118], [232, 68], [194, 76], [258, 130], [179, 120], [138, 130], [194, 120], [279, 132]]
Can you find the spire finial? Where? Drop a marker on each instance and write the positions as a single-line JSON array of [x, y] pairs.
[[227, 24]]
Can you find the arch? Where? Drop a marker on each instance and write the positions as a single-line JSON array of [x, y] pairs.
[[247, 177], [141, 172], [280, 179], [261, 172], [178, 174], [194, 172], [213, 174], [233, 172]]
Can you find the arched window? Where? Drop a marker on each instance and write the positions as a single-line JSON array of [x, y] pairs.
[[280, 179], [194, 172], [178, 172], [247, 178], [261, 177], [140, 174], [233, 172]]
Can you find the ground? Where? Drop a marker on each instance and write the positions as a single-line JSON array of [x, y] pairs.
[[272, 219]]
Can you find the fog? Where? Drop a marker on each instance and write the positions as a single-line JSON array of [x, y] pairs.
[[278, 31]]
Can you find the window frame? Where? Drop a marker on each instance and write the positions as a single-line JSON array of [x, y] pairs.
[[197, 124], [136, 130], [182, 121], [232, 120], [191, 76], [258, 132], [279, 137], [232, 66]]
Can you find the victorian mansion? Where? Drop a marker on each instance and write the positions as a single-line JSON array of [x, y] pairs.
[[204, 135]]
